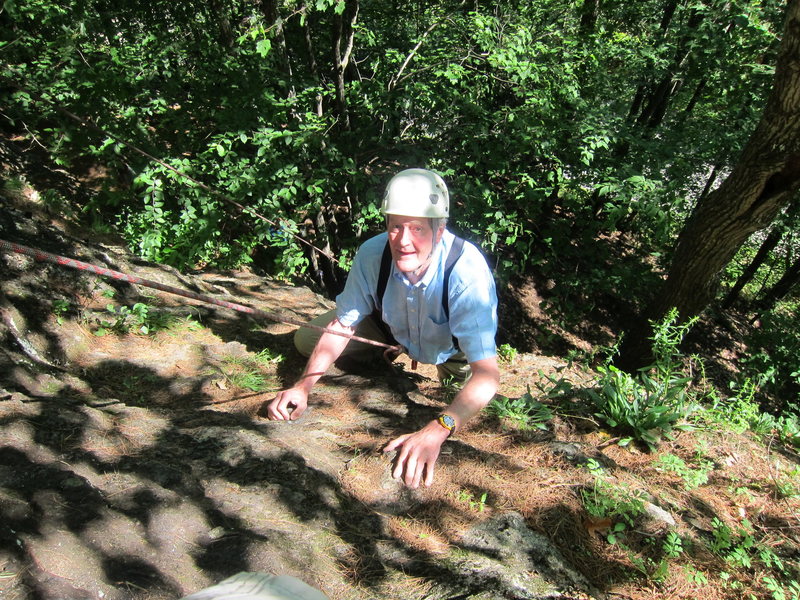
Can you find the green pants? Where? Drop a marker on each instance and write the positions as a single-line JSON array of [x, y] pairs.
[[456, 368]]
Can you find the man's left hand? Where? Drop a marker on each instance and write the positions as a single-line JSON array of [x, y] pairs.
[[417, 454]]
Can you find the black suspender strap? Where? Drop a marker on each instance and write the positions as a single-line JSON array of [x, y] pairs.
[[383, 279], [383, 275], [452, 257]]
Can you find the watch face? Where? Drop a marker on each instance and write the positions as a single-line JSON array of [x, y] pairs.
[[448, 421]]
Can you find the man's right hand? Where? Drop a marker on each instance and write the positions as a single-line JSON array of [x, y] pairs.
[[288, 405]]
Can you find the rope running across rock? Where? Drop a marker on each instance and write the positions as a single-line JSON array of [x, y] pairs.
[[103, 271]]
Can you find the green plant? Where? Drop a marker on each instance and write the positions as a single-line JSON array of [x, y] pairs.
[[138, 318], [787, 427], [673, 545], [468, 498], [268, 357], [554, 387], [651, 404], [607, 500], [773, 358], [507, 353], [245, 371], [742, 412], [737, 412], [248, 380], [734, 545], [60, 309], [694, 576], [788, 486], [692, 477], [779, 592], [524, 411]]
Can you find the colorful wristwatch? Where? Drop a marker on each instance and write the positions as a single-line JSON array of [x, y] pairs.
[[447, 422]]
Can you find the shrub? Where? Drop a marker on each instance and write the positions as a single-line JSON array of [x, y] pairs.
[[652, 403]]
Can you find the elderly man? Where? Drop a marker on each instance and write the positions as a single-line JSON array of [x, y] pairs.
[[430, 291]]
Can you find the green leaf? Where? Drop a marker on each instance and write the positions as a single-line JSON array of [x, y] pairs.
[[263, 47]]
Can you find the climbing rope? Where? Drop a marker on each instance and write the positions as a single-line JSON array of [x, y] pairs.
[[83, 266]]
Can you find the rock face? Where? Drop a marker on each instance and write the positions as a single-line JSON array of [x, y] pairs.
[[136, 467], [504, 554]]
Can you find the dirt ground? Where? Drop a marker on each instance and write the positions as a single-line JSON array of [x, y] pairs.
[[137, 465]]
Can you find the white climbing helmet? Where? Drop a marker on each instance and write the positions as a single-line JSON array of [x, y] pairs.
[[417, 193]]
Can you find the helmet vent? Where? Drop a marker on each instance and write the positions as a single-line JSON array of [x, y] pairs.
[[434, 198]]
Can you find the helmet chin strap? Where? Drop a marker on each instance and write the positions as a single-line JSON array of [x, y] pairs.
[[427, 263]]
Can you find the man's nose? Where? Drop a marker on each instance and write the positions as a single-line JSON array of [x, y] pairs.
[[405, 236]]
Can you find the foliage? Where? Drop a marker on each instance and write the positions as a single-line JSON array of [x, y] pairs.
[[507, 353], [525, 108], [738, 546], [789, 486], [525, 411], [773, 360], [647, 406], [692, 477], [251, 371], [606, 499], [636, 408], [60, 309], [742, 412], [477, 504], [139, 318], [739, 412]]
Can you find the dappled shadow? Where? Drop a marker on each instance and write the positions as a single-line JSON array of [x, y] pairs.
[[131, 475], [36, 163], [234, 491], [724, 334]]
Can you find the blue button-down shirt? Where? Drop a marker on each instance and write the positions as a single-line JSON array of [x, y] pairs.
[[414, 312]]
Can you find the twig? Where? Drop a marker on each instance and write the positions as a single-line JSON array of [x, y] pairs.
[[607, 443], [394, 80]]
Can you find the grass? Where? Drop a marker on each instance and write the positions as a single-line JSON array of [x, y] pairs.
[[524, 412], [251, 371]]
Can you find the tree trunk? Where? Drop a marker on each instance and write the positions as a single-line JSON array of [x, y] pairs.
[[712, 178], [657, 102], [269, 8], [225, 32], [767, 246], [698, 90], [666, 17], [589, 11], [312, 61], [342, 50], [780, 290], [764, 180]]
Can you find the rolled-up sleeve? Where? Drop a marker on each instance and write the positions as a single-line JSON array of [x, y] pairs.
[[357, 300]]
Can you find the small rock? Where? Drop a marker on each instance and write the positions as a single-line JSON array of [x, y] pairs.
[[658, 514]]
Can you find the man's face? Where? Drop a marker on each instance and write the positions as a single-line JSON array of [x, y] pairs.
[[411, 241]]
